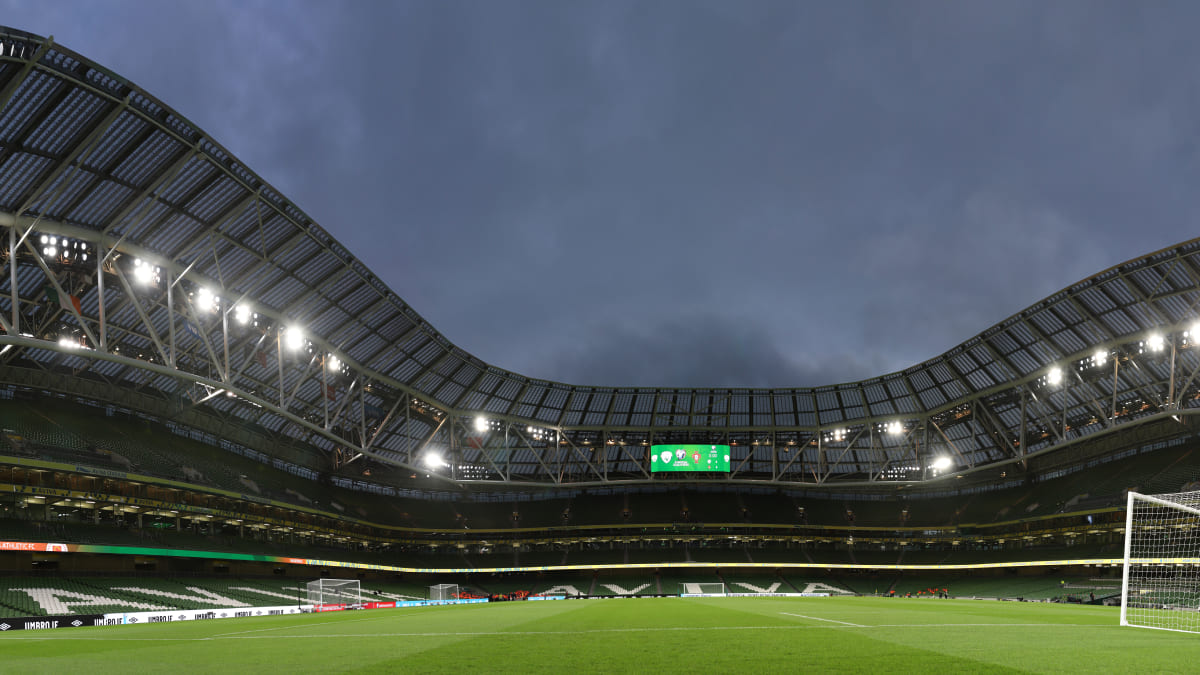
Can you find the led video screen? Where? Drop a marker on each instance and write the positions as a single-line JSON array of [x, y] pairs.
[[689, 458]]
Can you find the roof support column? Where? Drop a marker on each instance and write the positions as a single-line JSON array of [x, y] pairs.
[[103, 315], [12, 278]]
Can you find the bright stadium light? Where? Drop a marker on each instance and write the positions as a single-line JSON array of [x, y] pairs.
[[144, 273], [1055, 376], [334, 363], [1099, 358], [481, 423], [205, 300], [293, 338], [942, 463], [1155, 342], [434, 461], [242, 313]]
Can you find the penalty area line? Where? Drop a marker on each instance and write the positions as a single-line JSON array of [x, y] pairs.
[[817, 618]]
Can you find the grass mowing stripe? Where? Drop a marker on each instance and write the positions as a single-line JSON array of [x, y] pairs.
[[666, 635], [319, 623]]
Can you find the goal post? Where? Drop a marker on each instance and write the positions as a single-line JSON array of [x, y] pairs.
[[440, 592], [334, 592], [701, 588], [1160, 578]]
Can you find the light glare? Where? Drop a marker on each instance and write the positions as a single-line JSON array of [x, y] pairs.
[[293, 339], [1054, 376], [205, 300], [143, 272], [242, 314], [1155, 342]]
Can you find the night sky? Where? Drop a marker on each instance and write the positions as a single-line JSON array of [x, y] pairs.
[[687, 193]]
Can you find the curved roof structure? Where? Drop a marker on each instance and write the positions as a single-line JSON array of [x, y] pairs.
[[146, 267]]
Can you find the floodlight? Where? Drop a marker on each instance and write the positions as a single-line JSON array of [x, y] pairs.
[[433, 460], [334, 363], [1155, 342], [942, 463], [241, 313], [67, 343], [50, 251], [1054, 376], [1099, 358], [481, 423], [45, 239], [293, 339], [894, 427], [143, 272], [205, 300]]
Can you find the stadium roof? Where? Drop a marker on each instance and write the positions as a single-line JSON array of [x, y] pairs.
[[121, 215]]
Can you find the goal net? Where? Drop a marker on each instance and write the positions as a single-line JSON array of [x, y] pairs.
[[443, 592], [701, 588], [334, 592], [1160, 586]]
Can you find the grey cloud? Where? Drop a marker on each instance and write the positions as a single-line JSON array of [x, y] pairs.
[[882, 180], [696, 350]]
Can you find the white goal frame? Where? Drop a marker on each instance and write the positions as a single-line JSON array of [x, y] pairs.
[[334, 592], [1160, 578], [702, 588], [443, 592]]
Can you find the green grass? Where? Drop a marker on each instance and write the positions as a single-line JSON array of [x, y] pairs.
[[754, 635]]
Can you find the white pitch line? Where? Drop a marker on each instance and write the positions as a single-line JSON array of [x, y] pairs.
[[989, 625], [817, 618], [342, 636]]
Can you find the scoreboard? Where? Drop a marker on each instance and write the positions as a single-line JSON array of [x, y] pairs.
[[689, 458]]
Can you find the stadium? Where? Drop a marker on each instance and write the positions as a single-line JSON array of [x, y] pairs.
[[211, 409]]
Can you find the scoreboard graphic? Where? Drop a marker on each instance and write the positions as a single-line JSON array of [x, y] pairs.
[[689, 458]]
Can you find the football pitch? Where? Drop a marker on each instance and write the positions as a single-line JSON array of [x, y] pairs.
[[744, 635]]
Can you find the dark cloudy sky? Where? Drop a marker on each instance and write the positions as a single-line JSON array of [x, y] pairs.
[[688, 193]]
